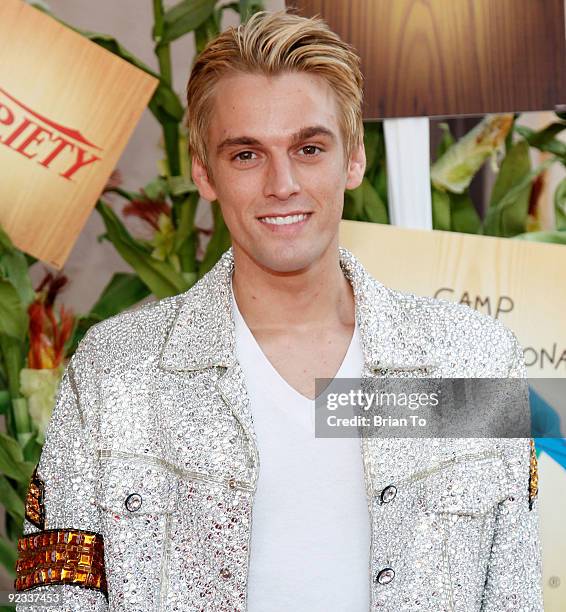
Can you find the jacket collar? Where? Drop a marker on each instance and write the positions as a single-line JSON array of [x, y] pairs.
[[203, 332]]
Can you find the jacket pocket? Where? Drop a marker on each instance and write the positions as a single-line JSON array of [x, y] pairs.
[[137, 498], [135, 487], [469, 486], [462, 501], [435, 530]]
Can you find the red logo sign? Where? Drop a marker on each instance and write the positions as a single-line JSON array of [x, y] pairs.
[[56, 147]]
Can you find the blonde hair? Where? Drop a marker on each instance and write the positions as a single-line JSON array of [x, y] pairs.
[[272, 43]]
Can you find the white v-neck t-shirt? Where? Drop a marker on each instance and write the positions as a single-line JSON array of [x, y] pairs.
[[310, 535]]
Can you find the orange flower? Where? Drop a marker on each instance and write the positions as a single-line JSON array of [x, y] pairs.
[[48, 334]]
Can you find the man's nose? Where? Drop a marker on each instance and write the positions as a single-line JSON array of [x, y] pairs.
[[281, 180]]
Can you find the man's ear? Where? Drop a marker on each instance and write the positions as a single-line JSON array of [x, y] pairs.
[[356, 167], [202, 180]]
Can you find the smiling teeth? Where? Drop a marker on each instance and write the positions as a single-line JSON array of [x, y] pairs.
[[284, 220]]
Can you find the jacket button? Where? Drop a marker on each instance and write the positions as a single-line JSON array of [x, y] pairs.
[[385, 576], [388, 494], [133, 502], [225, 573], [232, 483]]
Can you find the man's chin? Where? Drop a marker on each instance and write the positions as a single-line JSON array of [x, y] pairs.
[[285, 261]]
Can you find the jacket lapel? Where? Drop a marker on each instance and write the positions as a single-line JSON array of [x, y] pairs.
[[390, 335], [203, 335]]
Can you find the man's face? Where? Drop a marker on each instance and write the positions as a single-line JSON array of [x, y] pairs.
[[275, 150]]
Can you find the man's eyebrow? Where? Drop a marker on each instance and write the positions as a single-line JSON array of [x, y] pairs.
[[303, 134], [310, 132]]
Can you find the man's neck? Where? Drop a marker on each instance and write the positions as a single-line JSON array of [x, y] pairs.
[[317, 297]]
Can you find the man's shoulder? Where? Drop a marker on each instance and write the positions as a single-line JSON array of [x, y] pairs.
[[455, 327], [133, 334], [149, 316], [442, 310], [431, 314]]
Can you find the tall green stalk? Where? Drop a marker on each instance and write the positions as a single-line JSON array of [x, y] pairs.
[[163, 52]]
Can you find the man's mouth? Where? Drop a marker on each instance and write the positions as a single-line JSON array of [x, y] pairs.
[[285, 220]]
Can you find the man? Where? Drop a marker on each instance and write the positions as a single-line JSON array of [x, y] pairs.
[[151, 468]]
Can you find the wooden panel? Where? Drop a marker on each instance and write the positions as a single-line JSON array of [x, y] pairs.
[[498, 276], [67, 110], [453, 57]]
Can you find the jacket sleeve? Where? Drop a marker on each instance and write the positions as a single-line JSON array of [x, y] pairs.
[[514, 576], [61, 551]]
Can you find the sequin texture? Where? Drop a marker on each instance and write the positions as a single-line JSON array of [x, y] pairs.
[[154, 405]]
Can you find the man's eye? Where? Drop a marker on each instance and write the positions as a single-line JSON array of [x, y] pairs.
[[310, 150], [244, 156]]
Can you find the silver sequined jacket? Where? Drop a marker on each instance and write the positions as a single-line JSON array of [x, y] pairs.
[[150, 465]]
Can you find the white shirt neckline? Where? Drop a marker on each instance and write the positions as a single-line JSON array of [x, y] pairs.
[[289, 388]]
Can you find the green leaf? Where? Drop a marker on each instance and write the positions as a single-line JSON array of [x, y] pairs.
[[5, 401], [509, 203], [372, 142], [14, 268], [374, 208], [8, 558], [31, 449], [553, 236], [456, 168], [364, 204], [11, 448], [441, 210], [545, 140], [159, 276], [184, 17], [180, 185], [380, 183], [219, 242], [12, 462], [515, 167], [13, 314], [165, 105], [205, 32], [123, 291], [560, 205], [248, 7], [464, 215], [13, 353], [30, 259], [244, 9], [11, 500], [185, 221], [22, 422], [156, 189], [353, 206], [446, 141], [186, 238]]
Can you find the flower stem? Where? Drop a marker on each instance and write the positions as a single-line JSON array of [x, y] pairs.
[[163, 52]]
